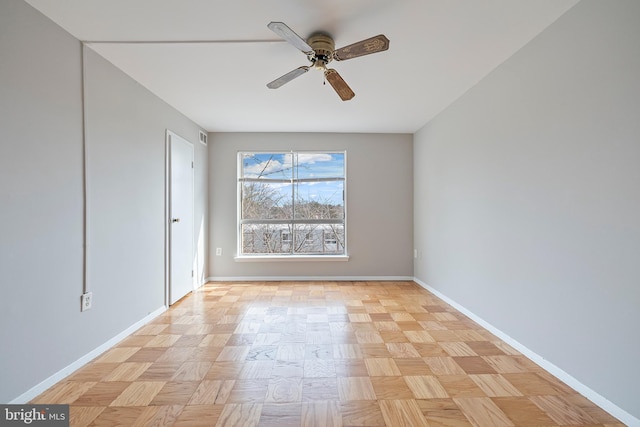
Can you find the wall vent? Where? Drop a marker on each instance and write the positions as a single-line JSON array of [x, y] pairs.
[[203, 138]]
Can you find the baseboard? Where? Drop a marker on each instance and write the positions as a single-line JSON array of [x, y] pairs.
[[587, 392], [307, 278], [68, 370]]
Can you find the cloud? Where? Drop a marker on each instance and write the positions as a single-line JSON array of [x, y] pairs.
[[311, 158], [279, 165], [268, 167]]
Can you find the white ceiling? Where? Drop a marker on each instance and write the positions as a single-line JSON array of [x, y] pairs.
[[439, 49]]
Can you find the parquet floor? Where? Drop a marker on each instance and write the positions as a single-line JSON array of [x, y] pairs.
[[317, 354]]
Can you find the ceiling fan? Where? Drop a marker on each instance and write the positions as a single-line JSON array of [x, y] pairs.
[[320, 50]]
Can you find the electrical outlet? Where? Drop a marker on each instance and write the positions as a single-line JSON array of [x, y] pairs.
[[415, 253], [218, 251], [86, 301]]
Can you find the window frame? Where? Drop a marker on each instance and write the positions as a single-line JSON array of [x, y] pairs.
[[290, 256]]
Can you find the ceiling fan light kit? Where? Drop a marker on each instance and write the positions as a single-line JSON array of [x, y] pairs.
[[320, 51]]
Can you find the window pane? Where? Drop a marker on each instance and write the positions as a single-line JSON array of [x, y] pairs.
[[319, 200], [266, 239], [267, 165], [316, 239], [272, 185], [266, 200], [319, 165]]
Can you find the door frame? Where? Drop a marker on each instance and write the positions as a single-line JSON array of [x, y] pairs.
[[167, 216]]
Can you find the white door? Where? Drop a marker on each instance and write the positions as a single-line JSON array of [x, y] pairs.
[[180, 217]]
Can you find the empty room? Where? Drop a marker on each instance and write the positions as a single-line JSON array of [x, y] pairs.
[[320, 213]]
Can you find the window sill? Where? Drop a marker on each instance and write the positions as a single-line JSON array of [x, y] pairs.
[[290, 258]]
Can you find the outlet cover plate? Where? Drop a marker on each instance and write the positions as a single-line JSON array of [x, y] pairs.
[[86, 301]]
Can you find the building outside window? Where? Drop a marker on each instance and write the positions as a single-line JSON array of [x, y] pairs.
[[291, 203]]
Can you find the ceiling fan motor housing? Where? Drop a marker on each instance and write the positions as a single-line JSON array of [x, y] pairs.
[[323, 47]]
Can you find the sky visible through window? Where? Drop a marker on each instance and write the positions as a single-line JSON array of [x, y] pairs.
[[284, 166]]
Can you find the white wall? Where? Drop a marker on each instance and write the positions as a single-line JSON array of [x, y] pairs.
[[527, 201], [379, 197], [40, 197], [42, 329], [126, 181]]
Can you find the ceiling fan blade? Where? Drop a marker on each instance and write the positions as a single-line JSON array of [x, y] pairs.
[[375, 44], [339, 85], [287, 77], [281, 29]]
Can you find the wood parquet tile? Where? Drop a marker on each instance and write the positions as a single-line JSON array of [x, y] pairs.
[[330, 354]]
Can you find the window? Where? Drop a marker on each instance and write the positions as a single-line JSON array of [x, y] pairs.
[[291, 203]]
